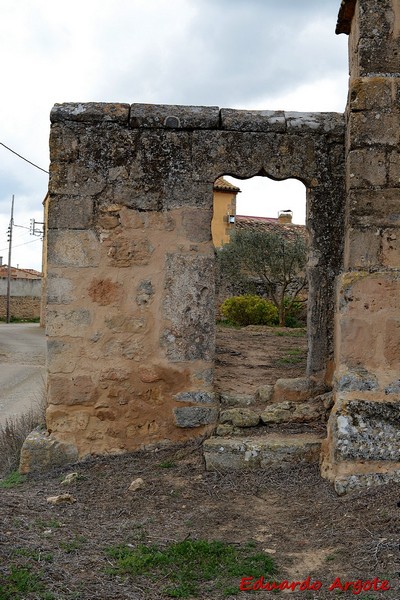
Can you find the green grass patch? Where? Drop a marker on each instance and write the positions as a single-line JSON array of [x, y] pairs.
[[19, 320], [47, 524], [11, 480], [73, 545], [20, 583], [32, 554], [192, 567], [167, 464]]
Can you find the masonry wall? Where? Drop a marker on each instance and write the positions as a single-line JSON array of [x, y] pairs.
[[25, 298], [363, 444], [130, 286]]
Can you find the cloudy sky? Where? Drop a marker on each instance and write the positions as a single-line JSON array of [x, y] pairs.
[[255, 54]]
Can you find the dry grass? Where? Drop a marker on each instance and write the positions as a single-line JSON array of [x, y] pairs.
[[14, 432]]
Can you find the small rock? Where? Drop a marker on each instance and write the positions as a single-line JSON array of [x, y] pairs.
[[224, 429], [264, 393], [240, 417], [136, 484], [70, 478], [61, 498], [237, 400]]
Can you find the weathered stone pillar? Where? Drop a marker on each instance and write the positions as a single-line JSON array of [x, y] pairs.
[[130, 291], [363, 445]]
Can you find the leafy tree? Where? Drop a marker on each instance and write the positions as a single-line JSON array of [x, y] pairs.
[[277, 262]]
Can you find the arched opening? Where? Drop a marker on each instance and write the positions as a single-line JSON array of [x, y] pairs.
[[249, 212], [261, 361]]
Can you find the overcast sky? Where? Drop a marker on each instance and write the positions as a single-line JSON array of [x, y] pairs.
[[255, 54]]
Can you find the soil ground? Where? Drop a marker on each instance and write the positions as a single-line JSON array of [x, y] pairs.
[[290, 514]]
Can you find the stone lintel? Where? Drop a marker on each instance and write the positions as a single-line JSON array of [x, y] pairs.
[[164, 116], [269, 121], [90, 112]]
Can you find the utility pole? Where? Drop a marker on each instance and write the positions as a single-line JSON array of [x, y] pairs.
[[10, 232]]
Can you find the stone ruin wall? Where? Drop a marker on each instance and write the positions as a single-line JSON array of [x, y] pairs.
[[131, 283], [130, 289], [363, 445]]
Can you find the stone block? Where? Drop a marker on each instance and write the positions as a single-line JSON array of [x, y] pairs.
[[71, 179], [194, 416], [265, 393], [64, 143], [59, 290], [332, 123], [105, 292], [345, 484], [371, 93], [359, 380], [281, 412], [196, 224], [164, 116], [392, 343], [366, 167], [369, 209], [363, 248], [71, 391], [241, 400], [124, 251], [300, 448], [90, 112], [265, 121], [189, 307], [390, 251], [41, 452], [225, 429], [74, 323], [197, 397], [373, 127], [358, 342], [240, 417], [231, 454], [297, 389], [66, 212], [61, 357], [144, 292], [394, 168], [72, 249], [367, 431], [298, 412]]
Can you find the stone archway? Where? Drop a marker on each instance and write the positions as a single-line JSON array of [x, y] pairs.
[[130, 315]]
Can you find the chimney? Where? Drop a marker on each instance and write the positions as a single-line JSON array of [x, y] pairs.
[[285, 216]]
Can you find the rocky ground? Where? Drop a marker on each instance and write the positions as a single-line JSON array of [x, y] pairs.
[[62, 552]]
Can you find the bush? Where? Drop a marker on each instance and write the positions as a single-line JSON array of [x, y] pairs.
[[254, 310], [13, 434], [249, 310]]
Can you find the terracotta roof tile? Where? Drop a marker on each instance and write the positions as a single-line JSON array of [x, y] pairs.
[[345, 17], [269, 224], [20, 273], [221, 185]]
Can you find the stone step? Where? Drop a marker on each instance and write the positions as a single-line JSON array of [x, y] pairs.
[[247, 453], [316, 409]]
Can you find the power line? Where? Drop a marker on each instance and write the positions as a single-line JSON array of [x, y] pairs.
[[25, 159], [19, 245]]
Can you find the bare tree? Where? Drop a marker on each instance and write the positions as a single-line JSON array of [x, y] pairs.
[[277, 262]]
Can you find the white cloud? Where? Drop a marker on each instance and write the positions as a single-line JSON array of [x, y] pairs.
[[230, 53]]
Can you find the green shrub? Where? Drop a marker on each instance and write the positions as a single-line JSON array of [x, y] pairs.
[[249, 310], [296, 315]]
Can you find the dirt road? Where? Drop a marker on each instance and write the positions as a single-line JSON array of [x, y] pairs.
[[22, 367]]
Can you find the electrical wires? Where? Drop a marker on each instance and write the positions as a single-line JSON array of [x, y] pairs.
[[25, 159]]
